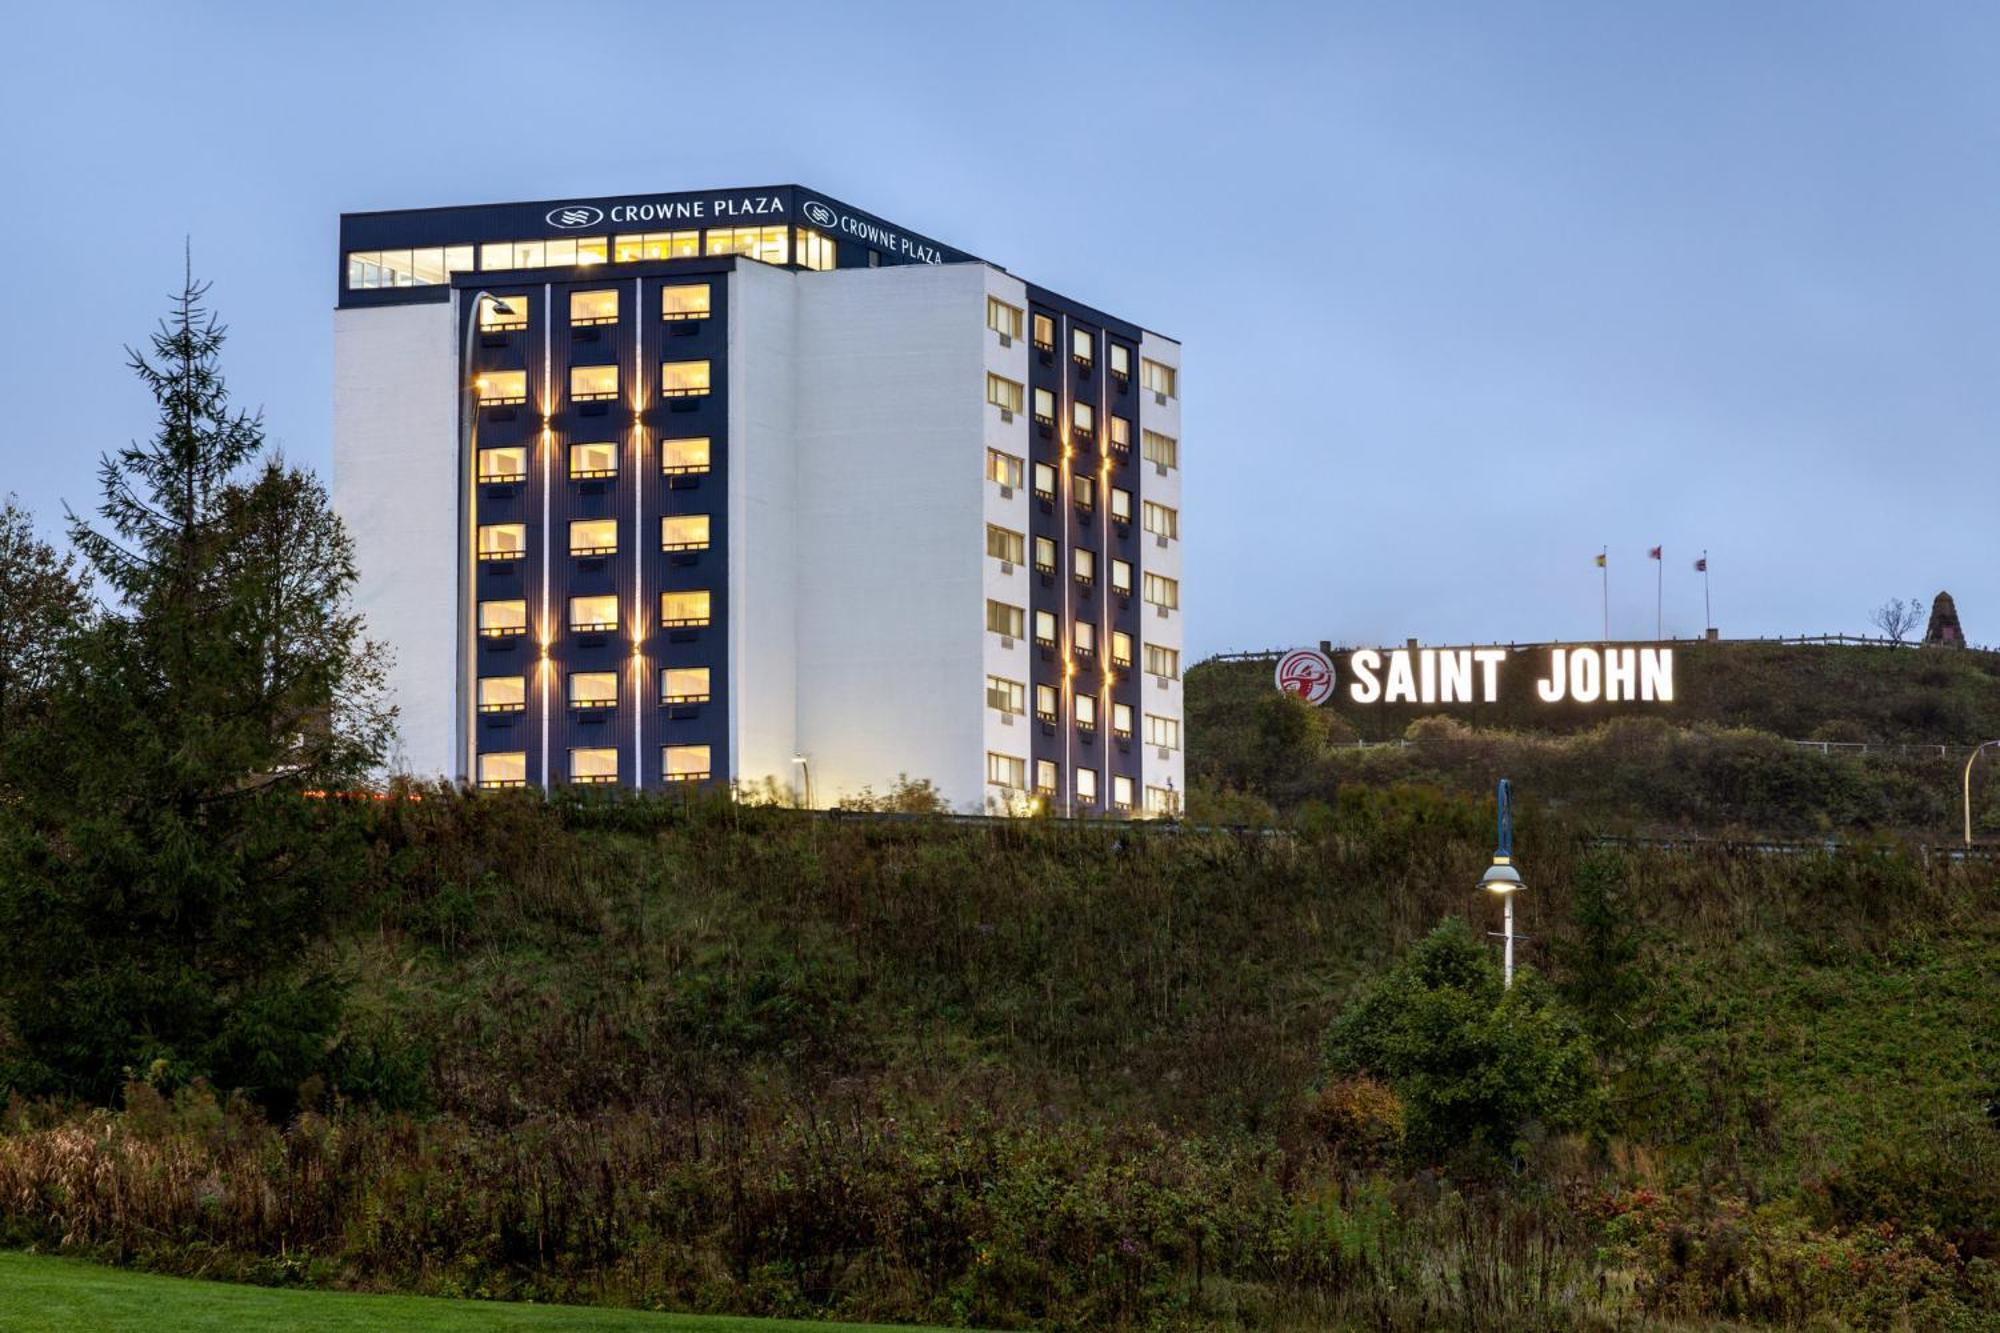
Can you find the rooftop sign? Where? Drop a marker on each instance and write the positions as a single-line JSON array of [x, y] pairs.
[[1583, 674]]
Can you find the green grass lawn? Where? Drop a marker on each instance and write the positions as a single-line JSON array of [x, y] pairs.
[[37, 1292]]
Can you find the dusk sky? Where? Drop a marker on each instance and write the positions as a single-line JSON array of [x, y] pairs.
[[1466, 291]]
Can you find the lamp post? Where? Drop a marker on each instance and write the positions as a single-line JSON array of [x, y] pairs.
[[806, 777], [1970, 759], [468, 416], [1502, 878]]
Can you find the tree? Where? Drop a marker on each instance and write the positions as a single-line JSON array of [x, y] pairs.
[[162, 876], [1473, 1061], [1599, 962], [1896, 617], [44, 602]]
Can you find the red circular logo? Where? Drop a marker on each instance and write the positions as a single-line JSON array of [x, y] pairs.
[[1305, 673]]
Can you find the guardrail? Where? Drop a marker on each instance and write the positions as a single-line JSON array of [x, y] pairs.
[[1899, 749], [1783, 640]]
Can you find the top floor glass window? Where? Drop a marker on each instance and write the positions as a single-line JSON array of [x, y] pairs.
[[633, 247], [813, 249], [768, 244]]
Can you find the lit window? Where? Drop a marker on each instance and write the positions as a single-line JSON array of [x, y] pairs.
[[1045, 482], [683, 379], [813, 249], [503, 619], [1045, 408], [594, 766], [1162, 380], [1121, 577], [1121, 793], [1045, 628], [1083, 418], [1083, 563], [1045, 776], [501, 388], [1003, 468], [684, 685], [1082, 346], [684, 763], [593, 689], [767, 244], [380, 268], [1085, 635], [1086, 711], [1121, 721], [593, 384], [1006, 770], [1161, 450], [593, 460], [684, 608], [1045, 703], [1162, 521], [631, 247], [461, 259], [1121, 435], [503, 694], [508, 464], [689, 301], [1045, 554], [593, 536], [684, 532], [1004, 620], [1121, 361], [1003, 393], [514, 254], [678, 457], [1045, 333], [593, 615], [1163, 592], [1121, 505], [1086, 786], [1006, 696], [1005, 545], [592, 249], [503, 541], [1083, 490], [427, 267], [1163, 662], [1002, 318], [594, 307], [505, 769], [1164, 732], [1121, 647], [1162, 801]]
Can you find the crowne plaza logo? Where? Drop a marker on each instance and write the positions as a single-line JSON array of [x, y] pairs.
[[572, 216]]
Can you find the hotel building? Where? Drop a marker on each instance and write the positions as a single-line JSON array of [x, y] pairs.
[[752, 487]]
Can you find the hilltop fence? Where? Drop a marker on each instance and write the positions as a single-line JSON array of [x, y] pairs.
[[1783, 640]]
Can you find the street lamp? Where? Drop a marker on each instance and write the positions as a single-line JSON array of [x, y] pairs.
[[1502, 878], [468, 415], [1969, 760], [806, 775]]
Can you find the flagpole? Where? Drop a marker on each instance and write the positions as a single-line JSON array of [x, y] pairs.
[[1660, 596], [1707, 606], [1604, 568]]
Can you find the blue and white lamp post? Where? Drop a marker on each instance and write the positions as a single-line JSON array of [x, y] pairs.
[[1502, 878]]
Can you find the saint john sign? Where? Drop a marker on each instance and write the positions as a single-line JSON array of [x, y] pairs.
[[1580, 674]]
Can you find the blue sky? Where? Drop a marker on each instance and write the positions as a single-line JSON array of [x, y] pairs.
[[1467, 291]]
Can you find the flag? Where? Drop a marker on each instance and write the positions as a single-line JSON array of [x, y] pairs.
[[1701, 565], [1653, 554], [1600, 559]]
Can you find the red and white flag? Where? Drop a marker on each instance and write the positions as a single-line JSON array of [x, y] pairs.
[[1701, 565], [1653, 554]]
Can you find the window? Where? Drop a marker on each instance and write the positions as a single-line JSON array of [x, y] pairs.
[[508, 464], [1121, 435], [1045, 408], [684, 532], [1002, 318], [1083, 419], [765, 244], [1045, 333], [684, 763], [1121, 793], [1162, 450], [1005, 545], [507, 768], [1003, 468], [1006, 696], [1163, 662], [1083, 489], [1006, 770], [593, 615], [503, 694], [503, 619], [367, 269], [514, 254], [1045, 703], [1083, 563], [599, 307], [500, 314], [656, 245], [1121, 505], [684, 608], [593, 384], [1121, 721], [1004, 619], [1086, 786], [813, 249], [593, 460], [593, 536], [501, 388], [572, 250], [1163, 592], [1045, 482], [1164, 732], [1163, 380], [1121, 648], [684, 685], [684, 301], [593, 766], [1045, 628], [1085, 636], [1162, 521], [1121, 361], [1121, 577], [503, 541], [1082, 346], [683, 456], [1003, 393], [1045, 554], [683, 379], [593, 689], [1086, 711], [1045, 776], [1162, 801]]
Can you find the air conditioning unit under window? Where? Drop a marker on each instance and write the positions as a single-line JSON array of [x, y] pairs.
[[1006, 340], [1006, 566], [1161, 611], [1160, 468], [1159, 399], [1006, 641], [1006, 414], [1160, 539], [1006, 491]]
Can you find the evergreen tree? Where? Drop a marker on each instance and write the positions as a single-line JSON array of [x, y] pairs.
[[44, 602]]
